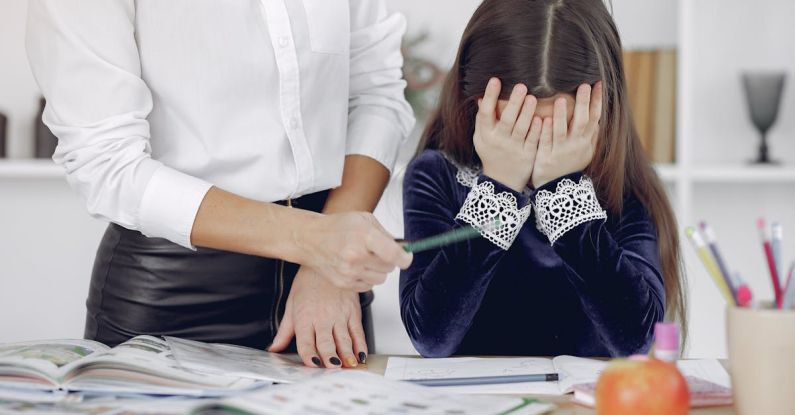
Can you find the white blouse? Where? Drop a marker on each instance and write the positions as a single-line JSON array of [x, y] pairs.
[[155, 101]]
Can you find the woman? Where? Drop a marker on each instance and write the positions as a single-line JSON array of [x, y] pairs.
[[551, 140], [197, 130]]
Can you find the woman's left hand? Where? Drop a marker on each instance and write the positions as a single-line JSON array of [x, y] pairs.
[[325, 320], [565, 149]]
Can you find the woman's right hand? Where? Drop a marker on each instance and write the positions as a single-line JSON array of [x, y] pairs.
[[352, 250], [507, 144]]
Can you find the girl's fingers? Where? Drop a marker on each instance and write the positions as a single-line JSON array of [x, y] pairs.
[[511, 111], [581, 109], [560, 121], [523, 124], [534, 136], [487, 110], [596, 107], [545, 141]]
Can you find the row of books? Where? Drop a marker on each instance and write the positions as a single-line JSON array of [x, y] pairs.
[[651, 82]]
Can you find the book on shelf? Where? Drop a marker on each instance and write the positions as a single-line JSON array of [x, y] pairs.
[[651, 88]]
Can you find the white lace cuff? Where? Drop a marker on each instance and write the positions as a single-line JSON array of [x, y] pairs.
[[570, 205], [483, 209]]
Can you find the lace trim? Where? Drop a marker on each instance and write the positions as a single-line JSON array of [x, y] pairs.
[[570, 205], [467, 176], [483, 209]]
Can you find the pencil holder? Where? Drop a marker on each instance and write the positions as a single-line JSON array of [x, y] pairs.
[[762, 359]]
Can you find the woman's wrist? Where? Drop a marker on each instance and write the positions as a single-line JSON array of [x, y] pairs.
[[294, 230]]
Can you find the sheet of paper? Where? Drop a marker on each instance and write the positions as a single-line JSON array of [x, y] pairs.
[[362, 393], [401, 368], [707, 369], [576, 371], [241, 361]]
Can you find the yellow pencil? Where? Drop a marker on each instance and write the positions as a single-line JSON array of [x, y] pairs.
[[709, 263]]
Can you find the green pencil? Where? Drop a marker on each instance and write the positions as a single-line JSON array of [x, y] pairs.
[[447, 238]]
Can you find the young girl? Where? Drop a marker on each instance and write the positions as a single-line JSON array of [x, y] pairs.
[[534, 145]]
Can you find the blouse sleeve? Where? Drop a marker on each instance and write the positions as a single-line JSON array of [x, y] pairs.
[[616, 270], [442, 290]]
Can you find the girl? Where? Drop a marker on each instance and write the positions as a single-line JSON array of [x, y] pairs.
[[534, 126]]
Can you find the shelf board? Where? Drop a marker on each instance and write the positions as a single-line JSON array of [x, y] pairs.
[[743, 174], [667, 172], [29, 169]]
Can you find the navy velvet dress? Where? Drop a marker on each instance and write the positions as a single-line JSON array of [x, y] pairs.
[[597, 290]]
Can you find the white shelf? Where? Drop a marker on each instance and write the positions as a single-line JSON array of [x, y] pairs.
[[743, 174], [669, 173], [29, 169]]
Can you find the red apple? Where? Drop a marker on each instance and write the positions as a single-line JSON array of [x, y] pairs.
[[638, 387]]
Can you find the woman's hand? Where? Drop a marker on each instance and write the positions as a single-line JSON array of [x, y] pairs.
[[564, 150], [352, 250], [507, 146], [326, 322]]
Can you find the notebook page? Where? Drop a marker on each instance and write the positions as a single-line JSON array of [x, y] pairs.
[[708, 369], [401, 368], [576, 371]]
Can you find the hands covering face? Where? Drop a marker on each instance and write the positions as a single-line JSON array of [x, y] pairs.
[[518, 146]]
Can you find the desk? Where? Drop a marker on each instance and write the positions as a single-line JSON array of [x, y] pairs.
[[377, 364]]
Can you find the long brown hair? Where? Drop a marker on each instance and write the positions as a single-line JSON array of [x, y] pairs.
[[553, 46]]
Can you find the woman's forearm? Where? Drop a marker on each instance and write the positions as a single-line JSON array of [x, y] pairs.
[[229, 222]]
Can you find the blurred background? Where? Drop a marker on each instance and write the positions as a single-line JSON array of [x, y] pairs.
[[685, 61]]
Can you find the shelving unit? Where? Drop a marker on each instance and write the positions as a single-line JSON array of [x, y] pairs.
[[712, 180]]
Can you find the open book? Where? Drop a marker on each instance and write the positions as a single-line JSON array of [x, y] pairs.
[[142, 365], [572, 371], [355, 392]]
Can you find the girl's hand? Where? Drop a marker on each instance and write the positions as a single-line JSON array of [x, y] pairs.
[[564, 150], [507, 146]]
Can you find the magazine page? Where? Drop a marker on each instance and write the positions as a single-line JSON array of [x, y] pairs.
[[146, 364], [242, 361], [355, 392], [576, 371], [42, 364]]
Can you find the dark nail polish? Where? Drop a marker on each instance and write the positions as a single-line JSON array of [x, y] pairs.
[[335, 361], [362, 357], [316, 360]]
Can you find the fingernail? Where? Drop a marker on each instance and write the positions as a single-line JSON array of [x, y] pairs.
[[335, 361], [362, 357], [316, 360], [351, 361]]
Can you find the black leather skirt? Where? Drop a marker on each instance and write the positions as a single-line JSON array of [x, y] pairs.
[[142, 285]]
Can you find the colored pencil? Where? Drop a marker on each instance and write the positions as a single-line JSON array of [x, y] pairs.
[[744, 293], [447, 238], [712, 242], [764, 235], [789, 296], [486, 380], [777, 237], [712, 268]]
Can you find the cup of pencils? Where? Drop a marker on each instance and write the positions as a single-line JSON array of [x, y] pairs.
[[761, 335], [762, 359]]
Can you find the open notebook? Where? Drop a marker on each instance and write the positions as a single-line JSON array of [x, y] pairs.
[[572, 371]]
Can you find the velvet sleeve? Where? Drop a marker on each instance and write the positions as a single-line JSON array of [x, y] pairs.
[[615, 267], [442, 290]]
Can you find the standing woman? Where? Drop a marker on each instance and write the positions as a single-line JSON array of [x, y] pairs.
[[534, 132], [234, 146]]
